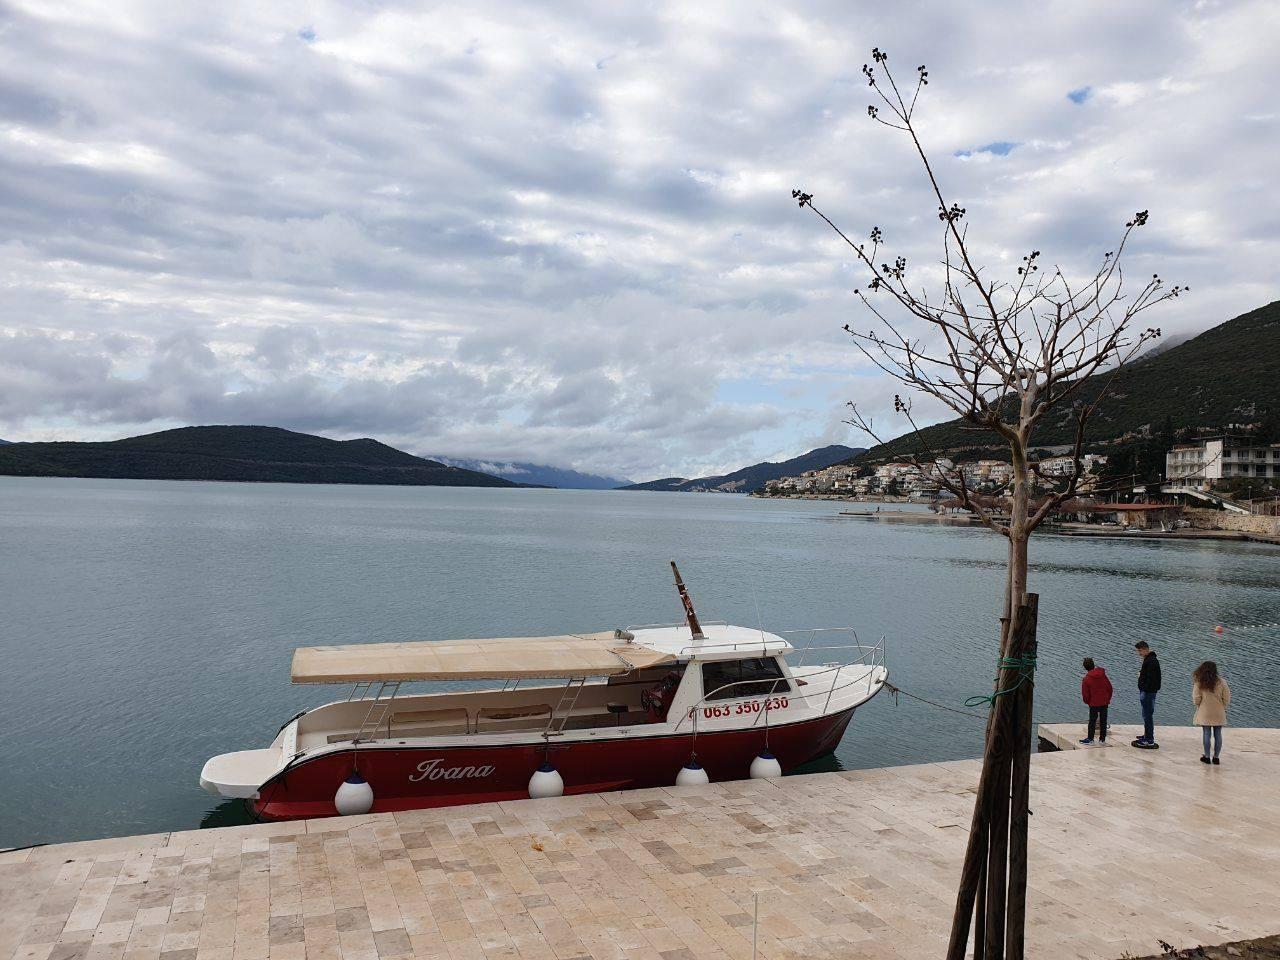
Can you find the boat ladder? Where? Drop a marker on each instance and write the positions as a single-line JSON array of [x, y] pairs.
[[379, 709], [569, 694]]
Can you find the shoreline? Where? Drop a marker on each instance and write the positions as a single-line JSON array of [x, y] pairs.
[[1085, 530]]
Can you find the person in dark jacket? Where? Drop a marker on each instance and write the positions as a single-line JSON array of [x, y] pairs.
[[1148, 687], [1095, 690]]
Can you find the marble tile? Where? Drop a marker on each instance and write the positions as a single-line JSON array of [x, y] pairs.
[[860, 863]]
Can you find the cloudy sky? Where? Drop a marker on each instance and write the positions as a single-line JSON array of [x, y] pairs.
[[563, 232]]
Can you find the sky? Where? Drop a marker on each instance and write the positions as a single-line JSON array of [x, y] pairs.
[[563, 233]]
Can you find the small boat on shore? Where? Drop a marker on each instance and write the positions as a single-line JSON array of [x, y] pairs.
[[641, 707]]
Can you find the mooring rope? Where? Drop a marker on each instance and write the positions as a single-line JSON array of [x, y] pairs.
[[1026, 667], [895, 690]]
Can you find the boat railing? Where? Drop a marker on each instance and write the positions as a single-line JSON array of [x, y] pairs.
[[870, 657], [870, 654], [667, 626], [732, 646]]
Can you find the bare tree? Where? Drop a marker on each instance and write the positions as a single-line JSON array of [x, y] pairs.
[[1001, 354]]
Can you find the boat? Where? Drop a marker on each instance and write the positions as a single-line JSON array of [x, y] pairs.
[[644, 706]]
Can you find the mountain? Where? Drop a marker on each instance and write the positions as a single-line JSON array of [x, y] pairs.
[[6, 443], [1223, 378], [260, 454], [1163, 345], [666, 484], [539, 474], [755, 476]]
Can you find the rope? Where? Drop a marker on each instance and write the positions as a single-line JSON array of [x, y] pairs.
[[895, 690], [1025, 666]]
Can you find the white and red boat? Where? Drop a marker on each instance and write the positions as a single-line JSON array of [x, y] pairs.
[[634, 708]]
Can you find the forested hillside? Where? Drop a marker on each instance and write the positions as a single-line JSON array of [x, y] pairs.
[[1225, 377], [262, 454]]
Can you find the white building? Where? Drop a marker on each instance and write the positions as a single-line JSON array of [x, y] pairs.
[[1222, 458], [1065, 466], [987, 474]]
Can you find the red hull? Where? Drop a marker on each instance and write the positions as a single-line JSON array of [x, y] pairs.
[[410, 778]]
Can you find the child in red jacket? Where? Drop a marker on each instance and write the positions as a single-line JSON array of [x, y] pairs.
[[1095, 690]]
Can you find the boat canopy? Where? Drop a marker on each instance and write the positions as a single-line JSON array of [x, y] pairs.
[[501, 658]]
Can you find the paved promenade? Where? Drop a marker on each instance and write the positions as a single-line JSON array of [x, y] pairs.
[[1127, 846]]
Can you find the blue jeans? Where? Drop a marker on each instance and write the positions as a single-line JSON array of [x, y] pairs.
[[1148, 701], [1217, 739]]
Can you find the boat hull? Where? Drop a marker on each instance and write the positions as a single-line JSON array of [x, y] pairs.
[[408, 777]]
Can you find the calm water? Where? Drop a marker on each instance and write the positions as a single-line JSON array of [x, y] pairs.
[[148, 625]]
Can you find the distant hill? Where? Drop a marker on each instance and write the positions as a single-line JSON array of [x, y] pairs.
[[754, 477], [260, 454], [1229, 375], [666, 484], [539, 474]]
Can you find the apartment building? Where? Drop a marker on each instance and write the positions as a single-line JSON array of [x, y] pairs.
[[1222, 458]]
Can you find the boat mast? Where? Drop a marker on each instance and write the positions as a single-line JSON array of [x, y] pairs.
[[689, 615]]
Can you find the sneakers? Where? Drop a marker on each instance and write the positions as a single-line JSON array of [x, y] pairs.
[[1216, 760], [1142, 743], [1087, 740], [1205, 760]]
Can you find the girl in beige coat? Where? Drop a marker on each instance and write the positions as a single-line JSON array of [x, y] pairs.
[[1210, 694]]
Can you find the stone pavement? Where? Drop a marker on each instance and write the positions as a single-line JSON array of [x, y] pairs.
[[1127, 846]]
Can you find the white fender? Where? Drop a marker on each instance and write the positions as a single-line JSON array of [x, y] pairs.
[[691, 774], [765, 767], [546, 782], [354, 796]]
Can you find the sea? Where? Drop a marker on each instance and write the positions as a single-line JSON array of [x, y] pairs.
[[147, 625]]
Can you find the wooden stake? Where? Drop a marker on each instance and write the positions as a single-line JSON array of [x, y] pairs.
[[1006, 735], [980, 914], [991, 814], [973, 872], [998, 846], [1016, 917]]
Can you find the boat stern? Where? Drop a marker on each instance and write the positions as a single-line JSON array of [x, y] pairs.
[[238, 775]]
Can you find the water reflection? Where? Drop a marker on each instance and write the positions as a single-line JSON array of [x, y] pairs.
[[828, 764], [228, 813]]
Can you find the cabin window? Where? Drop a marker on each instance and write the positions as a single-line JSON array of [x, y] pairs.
[[756, 677]]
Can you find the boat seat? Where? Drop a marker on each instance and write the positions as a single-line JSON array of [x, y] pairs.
[[426, 723], [529, 716], [589, 719], [416, 723]]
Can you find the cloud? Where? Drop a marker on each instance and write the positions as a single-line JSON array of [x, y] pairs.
[[564, 234]]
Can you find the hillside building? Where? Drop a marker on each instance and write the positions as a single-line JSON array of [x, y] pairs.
[[1065, 466], [1222, 458]]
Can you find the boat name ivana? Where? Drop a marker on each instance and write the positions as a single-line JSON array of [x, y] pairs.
[[431, 770]]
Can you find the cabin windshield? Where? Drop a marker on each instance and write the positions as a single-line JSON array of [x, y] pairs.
[[752, 677]]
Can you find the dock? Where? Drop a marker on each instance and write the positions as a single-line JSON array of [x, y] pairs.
[[1127, 847]]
